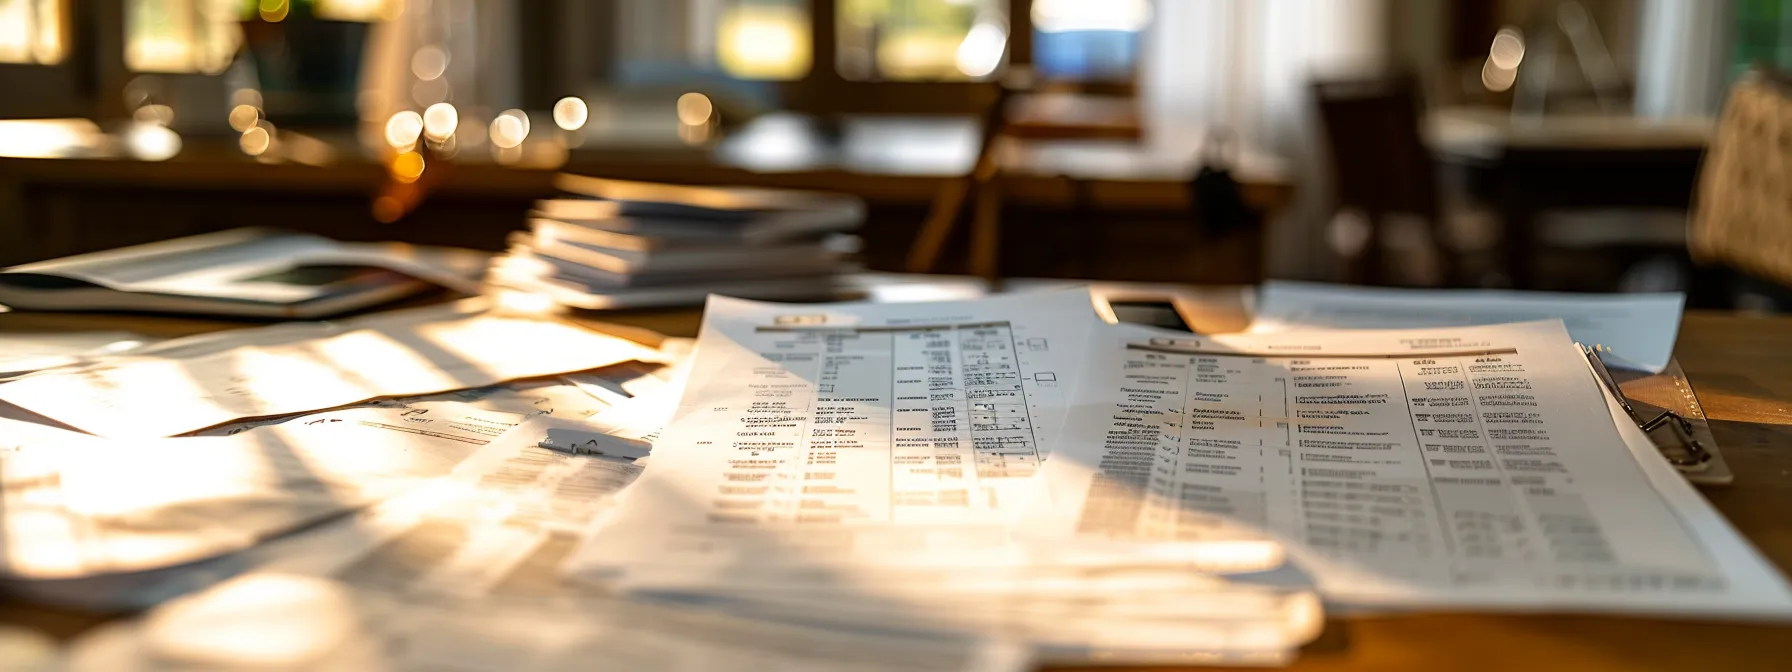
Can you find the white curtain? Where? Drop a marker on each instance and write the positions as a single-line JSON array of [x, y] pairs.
[[1682, 57], [1245, 65]]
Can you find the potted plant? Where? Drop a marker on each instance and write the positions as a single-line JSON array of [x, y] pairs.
[[307, 59]]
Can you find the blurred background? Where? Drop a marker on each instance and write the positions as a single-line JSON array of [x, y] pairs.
[[1538, 144]]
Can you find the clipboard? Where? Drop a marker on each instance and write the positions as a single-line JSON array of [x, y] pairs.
[[1668, 410], [1665, 397]]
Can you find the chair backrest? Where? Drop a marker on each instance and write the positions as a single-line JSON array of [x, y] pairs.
[[1742, 210], [1379, 160]]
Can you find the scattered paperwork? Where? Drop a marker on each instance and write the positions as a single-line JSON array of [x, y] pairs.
[[461, 576], [1472, 467], [1639, 328], [193, 385], [956, 486], [77, 505], [861, 464]]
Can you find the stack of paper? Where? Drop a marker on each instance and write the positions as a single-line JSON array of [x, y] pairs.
[[862, 464], [614, 244]]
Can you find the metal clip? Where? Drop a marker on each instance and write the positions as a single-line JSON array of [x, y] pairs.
[[1692, 453]]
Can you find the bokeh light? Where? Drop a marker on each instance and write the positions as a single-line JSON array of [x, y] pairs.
[[694, 108], [439, 121], [407, 167], [403, 129], [509, 129], [255, 141], [152, 142], [570, 113], [429, 62], [274, 11], [243, 117]]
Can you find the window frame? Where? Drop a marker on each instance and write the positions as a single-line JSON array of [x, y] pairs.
[[570, 46], [64, 89], [823, 91], [90, 80]]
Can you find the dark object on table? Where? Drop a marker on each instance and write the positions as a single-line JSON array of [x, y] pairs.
[[1379, 162], [1216, 194]]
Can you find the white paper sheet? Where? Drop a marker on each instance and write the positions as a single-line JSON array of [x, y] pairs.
[[460, 576], [1471, 467], [284, 621], [24, 353], [1639, 328], [77, 505], [851, 419], [207, 382]]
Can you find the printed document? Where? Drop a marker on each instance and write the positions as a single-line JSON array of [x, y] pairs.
[[1474, 467], [837, 417], [182, 387], [1638, 328], [862, 464]]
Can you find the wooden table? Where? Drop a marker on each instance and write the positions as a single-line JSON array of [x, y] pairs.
[[887, 159], [1740, 367], [57, 202]]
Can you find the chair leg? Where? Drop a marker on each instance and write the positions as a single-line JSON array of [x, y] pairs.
[[986, 233], [941, 218]]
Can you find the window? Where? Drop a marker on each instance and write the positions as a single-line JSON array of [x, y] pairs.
[[741, 39], [1763, 35], [36, 56], [181, 35], [844, 56], [920, 40], [203, 35], [767, 39], [31, 31], [1094, 40]]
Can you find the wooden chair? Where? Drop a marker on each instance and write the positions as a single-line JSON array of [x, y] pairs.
[[1742, 209], [979, 184], [982, 187], [1379, 162]]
